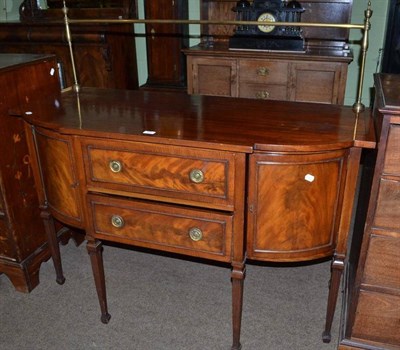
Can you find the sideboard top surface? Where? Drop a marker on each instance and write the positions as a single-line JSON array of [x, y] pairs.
[[202, 121]]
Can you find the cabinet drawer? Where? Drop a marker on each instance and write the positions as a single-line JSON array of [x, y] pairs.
[[387, 208], [392, 154], [382, 266], [377, 318], [263, 92], [159, 170], [260, 71], [167, 227]]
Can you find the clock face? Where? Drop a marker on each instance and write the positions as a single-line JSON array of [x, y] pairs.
[[266, 16]]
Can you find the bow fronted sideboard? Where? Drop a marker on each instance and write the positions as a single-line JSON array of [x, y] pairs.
[[217, 178]]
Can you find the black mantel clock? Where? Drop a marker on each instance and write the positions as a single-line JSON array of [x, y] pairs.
[[267, 36]]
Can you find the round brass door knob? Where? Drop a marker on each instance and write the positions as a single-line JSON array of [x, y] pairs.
[[195, 234], [115, 166], [117, 221], [196, 176]]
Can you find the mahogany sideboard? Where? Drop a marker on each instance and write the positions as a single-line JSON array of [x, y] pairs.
[[372, 302], [23, 242], [211, 177]]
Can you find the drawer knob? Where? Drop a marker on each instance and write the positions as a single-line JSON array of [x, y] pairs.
[[262, 71], [195, 234], [115, 166], [117, 221], [262, 95], [196, 176]]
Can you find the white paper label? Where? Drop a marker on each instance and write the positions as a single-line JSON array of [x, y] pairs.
[[309, 178]]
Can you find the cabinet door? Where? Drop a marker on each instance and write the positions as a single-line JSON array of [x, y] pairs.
[[318, 82], [166, 63], [59, 176], [212, 76], [294, 203]]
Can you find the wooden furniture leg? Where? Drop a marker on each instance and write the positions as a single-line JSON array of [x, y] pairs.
[[238, 275], [334, 285], [95, 250], [53, 244]]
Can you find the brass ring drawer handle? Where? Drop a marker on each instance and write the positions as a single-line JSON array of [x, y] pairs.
[[196, 176], [262, 95], [195, 234], [115, 166], [262, 71], [117, 221]]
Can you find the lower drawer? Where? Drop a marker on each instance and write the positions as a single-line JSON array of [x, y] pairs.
[[195, 232], [377, 318], [262, 91]]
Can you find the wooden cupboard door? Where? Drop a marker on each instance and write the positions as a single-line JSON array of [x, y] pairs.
[[59, 176], [317, 82], [166, 62], [294, 205], [212, 76]]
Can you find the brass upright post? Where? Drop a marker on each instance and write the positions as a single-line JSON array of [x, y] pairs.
[[358, 105]]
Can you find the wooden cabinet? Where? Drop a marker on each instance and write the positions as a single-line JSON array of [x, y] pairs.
[[104, 54], [317, 75], [23, 242], [372, 303], [174, 174], [165, 61], [293, 77]]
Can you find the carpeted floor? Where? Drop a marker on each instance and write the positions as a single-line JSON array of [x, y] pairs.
[[163, 302]]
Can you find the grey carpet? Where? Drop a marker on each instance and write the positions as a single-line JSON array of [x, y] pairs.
[[162, 302]]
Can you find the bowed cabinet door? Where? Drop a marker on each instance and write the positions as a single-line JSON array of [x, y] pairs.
[[294, 205]]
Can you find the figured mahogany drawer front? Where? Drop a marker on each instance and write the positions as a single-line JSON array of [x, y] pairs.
[[377, 319], [387, 209], [392, 154], [382, 266], [169, 171], [167, 227], [263, 92], [261, 71]]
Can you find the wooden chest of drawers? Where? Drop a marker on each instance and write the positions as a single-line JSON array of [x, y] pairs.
[[373, 302]]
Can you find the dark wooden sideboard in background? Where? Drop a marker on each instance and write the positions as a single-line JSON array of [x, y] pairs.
[[105, 54]]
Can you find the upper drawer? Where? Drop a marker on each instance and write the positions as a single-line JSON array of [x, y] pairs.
[[261, 71], [392, 154], [146, 170]]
